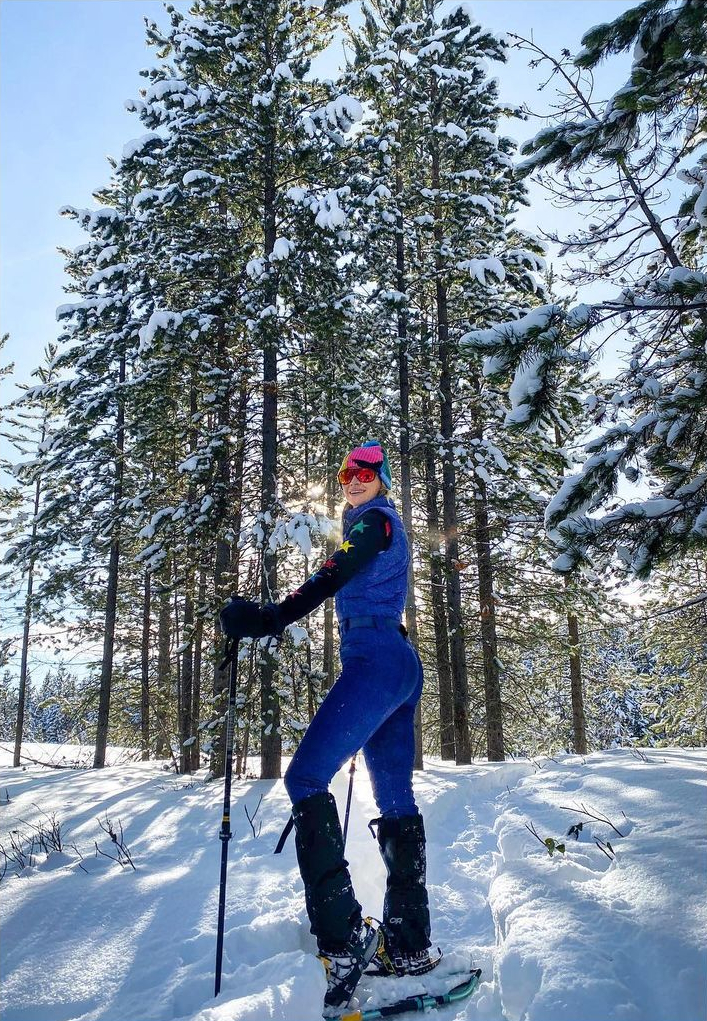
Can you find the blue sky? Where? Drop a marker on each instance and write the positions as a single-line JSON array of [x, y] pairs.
[[66, 69]]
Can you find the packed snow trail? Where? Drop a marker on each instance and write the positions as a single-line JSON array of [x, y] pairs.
[[573, 937]]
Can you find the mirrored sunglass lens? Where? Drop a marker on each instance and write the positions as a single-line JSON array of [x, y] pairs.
[[347, 475]]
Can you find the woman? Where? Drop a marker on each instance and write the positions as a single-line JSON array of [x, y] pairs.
[[371, 707]]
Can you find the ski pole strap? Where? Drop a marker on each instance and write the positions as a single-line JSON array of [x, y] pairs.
[[284, 835], [228, 653]]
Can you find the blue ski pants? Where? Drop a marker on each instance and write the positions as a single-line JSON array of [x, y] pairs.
[[371, 706]]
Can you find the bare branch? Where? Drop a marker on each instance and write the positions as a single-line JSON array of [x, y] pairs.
[[583, 810]]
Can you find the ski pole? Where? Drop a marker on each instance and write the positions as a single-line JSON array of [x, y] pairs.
[[225, 832], [352, 770]]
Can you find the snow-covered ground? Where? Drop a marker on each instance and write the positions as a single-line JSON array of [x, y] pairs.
[[592, 935]]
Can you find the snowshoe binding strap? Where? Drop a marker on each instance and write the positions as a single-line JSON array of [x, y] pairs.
[[395, 963]]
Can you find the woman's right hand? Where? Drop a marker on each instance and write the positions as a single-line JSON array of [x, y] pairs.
[[244, 618]]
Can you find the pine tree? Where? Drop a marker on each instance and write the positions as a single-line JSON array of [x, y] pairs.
[[100, 329], [257, 146], [19, 439], [672, 631], [618, 156], [24, 431], [437, 196]]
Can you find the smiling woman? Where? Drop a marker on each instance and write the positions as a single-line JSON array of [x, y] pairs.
[[371, 707]]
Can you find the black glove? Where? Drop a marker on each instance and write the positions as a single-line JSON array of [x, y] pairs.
[[244, 618]]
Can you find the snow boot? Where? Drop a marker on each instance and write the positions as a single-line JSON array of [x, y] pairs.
[[344, 940], [404, 947], [345, 965]]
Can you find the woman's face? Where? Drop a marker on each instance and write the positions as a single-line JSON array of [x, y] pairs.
[[361, 492]]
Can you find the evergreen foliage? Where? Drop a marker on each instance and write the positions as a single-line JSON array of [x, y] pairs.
[[280, 267], [653, 424]]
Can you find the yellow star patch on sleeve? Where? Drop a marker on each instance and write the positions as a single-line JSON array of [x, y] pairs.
[[346, 546]]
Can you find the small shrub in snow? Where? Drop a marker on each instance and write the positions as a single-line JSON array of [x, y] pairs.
[[21, 852], [45, 836], [251, 818], [548, 843], [47, 833], [606, 848], [122, 852]]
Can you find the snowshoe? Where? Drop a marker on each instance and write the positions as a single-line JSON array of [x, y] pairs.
[[345, 965], [421, 1003]]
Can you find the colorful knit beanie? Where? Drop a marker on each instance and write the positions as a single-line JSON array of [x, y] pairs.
[[370, 455]]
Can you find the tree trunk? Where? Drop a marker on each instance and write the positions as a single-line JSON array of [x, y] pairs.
[[579, 721], [405, 483], [246, 744], [489, 642], [99, 758], [460, 686], [437, 594], [196, 690], [145, 671], [178, 633], [186, 694], [164, 679], [306, 672], [270, 738], [187, 673], [328, 664], [227, 565], [22, 693], [310, 692]]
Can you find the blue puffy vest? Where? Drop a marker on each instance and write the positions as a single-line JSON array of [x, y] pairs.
[[380, 588]]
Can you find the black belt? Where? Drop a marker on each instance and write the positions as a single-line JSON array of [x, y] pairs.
[[381, 622]]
